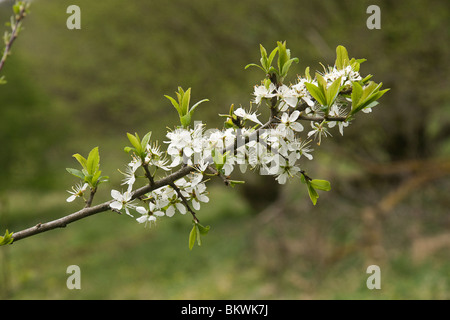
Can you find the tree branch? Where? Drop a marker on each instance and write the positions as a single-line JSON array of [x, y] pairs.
[[89, 211], [18, 21]]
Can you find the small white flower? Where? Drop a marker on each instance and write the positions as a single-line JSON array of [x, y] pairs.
[[288, 97], [129, 176], [288, 122], [175, 205], [78, 191], [198, 194], [240, 112], [122, 201], [318, 131], [303, 92], [146, 218], [155, 157], [337, 111], [148, 215], [261, 92], [287, 168]]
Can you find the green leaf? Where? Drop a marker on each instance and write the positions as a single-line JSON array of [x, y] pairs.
[[191, 111], [135, 141], [235, 182], [366, 79], [197, 231], [321, 184], [322, 83], [356, 94], [263, 59], [82, 160], [369, 95], [333, 91], [93, 161], [202, 229], [270, 59], [192, 237], [95, 178], [128, 149], [313, 195], [76, 173], [307, 75], [316, 93], [254, 65], [342, 59], [145, 141], [185, 120], [219, 159], [283, 55], [186, 98], [287, 66], [174, 103], [7, 238]]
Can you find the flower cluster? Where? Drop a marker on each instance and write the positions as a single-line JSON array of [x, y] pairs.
[[276, 148]]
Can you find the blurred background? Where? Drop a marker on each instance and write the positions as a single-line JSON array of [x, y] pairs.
[[71, 90]]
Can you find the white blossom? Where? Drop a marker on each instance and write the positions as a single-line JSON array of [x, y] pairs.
[[78, 191], [287, 168], [261, 92], [240, 112], [122, 201], [318, 131], [287, 96]]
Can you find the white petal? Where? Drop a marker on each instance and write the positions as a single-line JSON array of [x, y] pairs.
[[170, 211], [195, 204], [203, 198], [116, 195], [71, 198], [281, 178], [127, 196], [142, 219], [308, 101], [294, 115], [296, 126], [310, 157], [240, 112], [181, 208], [128, 212], [188, 152], [291, 101], [141, 210], [116, 205]]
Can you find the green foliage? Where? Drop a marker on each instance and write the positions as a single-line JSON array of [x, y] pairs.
[[266, 62], [366, 97], [323, 95], [312, 185], [139, 147], [7, 238], [90, 173], [284, 61], [219, 159], [197, 231], [343, 61], [182, 106]]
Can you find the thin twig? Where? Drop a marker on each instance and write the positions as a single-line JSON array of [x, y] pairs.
[[18, 21], [225, 179], [183, 198]]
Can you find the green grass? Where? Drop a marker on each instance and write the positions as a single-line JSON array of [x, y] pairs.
[[240, 258]]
